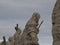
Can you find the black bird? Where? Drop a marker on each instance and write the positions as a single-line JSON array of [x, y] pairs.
[[16, 28]]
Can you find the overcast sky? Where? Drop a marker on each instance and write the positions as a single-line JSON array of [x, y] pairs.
[[19, 11]]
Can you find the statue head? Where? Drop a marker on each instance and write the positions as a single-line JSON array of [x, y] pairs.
[[33, 21], [36, 15]]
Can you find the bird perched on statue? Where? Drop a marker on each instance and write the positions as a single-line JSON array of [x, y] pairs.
[[16, 28]]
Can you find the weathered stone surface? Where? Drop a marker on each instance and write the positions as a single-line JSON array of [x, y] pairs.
[[56, 23], [16, 37], [29, 35]]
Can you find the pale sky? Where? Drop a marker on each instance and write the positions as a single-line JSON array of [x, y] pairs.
[[19, 11]]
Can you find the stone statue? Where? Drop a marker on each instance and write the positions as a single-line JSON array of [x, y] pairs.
[[29, 36], [17, 35], [15, 39], [30, 32]]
